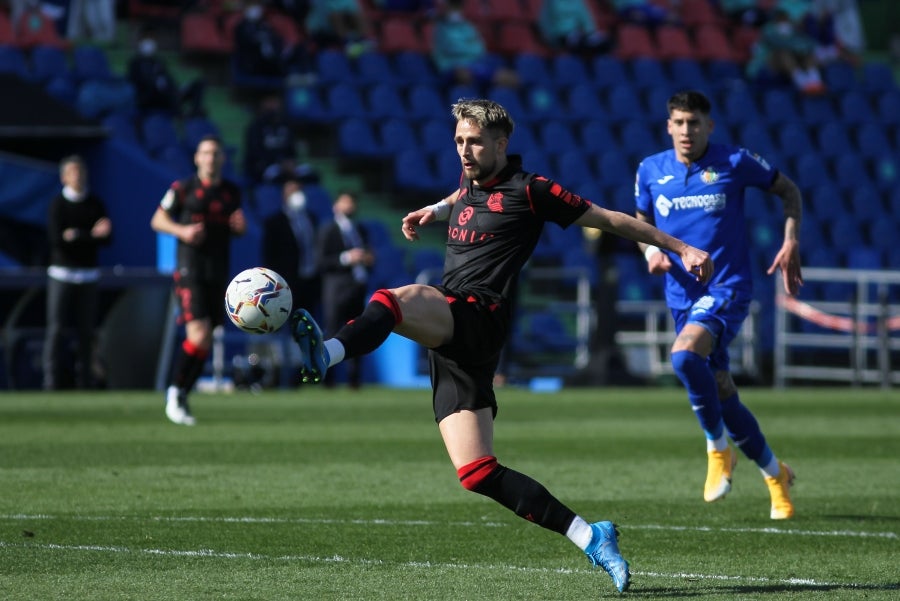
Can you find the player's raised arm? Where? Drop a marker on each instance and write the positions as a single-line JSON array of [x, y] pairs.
[[436, 212]]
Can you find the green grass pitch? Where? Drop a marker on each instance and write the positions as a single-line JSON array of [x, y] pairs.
[[330, 494]]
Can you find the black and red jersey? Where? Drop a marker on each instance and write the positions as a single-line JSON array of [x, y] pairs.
[[191, 200], [495, 227]]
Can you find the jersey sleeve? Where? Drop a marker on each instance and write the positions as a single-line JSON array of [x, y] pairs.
[[171, 200], [753, 169], [642, 200], [552, 202]]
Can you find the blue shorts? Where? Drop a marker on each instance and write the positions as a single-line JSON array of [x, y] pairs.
[[721, 312]]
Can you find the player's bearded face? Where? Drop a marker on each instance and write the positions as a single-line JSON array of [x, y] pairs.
[[478, 150], [209, 159]]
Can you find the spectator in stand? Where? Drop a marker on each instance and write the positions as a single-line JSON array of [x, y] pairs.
[[835, 27], [459, 52], [569, 25], [155, 87], [92, 19], [260, 50], [339, 23], [642, 12], [744, 12], [270, 145], [77, 226], [785, 52]]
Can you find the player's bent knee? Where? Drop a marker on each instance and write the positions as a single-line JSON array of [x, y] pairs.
[[473, 474], [388, 299]]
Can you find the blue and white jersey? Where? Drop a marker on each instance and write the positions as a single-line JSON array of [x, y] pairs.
[[703, 204]]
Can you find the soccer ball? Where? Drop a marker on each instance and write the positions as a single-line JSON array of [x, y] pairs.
[[258, 300]]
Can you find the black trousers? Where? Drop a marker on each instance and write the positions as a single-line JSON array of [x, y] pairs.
[[69, 305]]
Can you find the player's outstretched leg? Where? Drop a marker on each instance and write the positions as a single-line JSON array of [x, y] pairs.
[[308, 336], [604, 552]]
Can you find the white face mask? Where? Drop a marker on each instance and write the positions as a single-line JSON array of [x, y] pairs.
[[147, 47], [253, 12], [297, 201]]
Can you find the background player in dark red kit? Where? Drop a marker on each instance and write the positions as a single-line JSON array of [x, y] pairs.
[[202, 212], [495, 220]]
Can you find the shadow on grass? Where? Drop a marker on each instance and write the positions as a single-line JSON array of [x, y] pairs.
[[660, 592]]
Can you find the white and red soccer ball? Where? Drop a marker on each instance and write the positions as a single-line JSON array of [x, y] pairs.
[[258, 300]]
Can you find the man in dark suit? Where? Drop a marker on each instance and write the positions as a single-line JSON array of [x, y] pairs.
[[345, 259], [289, 246]]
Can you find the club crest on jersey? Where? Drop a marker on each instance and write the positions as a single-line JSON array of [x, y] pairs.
[[709, 176], [495, 202], [465, 215]]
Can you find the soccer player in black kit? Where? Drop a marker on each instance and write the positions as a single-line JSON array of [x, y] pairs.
[[202, 212], [495, 220]]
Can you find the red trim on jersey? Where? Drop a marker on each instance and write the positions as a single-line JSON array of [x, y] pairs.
[[528, 196], [387, 298], [192, 350], [473, 474]]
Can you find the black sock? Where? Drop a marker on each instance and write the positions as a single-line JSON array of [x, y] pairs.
[[366, 333], [527, 498]]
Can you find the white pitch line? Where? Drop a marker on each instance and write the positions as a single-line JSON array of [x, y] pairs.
[[387, 522], [337, 559]]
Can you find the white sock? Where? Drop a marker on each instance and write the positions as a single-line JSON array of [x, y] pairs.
[[717, 444], [580, 533], [772, 468], [335, 351]]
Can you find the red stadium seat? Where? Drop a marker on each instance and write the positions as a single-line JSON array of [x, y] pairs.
[[399, 34], [696, 13], [673, 42], [518, 37], [34, 28], [201, 34], [712, 44], [633, 41], [7, 37]]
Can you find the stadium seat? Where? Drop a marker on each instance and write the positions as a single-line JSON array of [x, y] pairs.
[[90, 62], [435, 135], [851, 172], [608, 71], [555, 137], [688, 74], [864, 257], [757, 139], [596, 136], [201, 33], [872, 141], [333, 67], [345, 101], [517, 37], [197, 127], [48, 62], [14, 62], [865, 201], [778, 105], [697, 13], [634, 41], [414, 68], [793, 140], [522, 139], [648, 73], [303, 104], [833, 139], [712, 44], [877, 78], [743, 39], [543, 102], [839, 77], [537, 161], [374, 68], [568, 70], [740, 108], [532, 69], [384, 101], [613, 169], [817, 110], [63, 89], [637, 139], [826, 202], [623, 102], [397, 135], [121, 126], [511, 100], [888, 105], [882, 233], [583, 102], [425, 102], [724, 70], [7, 35], [399, 34], [448, 168], [36, 28], [573, 169], [177, 160], [854, 108], [158, 131], [357, 138], [673, 42], [286, 28]]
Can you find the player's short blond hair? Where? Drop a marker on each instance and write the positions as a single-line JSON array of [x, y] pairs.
[[486, 114]]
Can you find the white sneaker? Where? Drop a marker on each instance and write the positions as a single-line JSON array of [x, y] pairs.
[[177, 407]]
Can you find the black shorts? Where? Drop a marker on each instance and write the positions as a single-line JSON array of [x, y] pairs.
[[199, 300], [462, 371]]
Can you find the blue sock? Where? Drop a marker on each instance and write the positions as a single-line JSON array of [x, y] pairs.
[[702, 391], [744, 430]]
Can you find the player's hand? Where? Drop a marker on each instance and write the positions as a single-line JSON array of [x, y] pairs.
[[237, 222], [193, 233], [423, 216], [102, 228], [698, 263], [659, 264], [788, 260]]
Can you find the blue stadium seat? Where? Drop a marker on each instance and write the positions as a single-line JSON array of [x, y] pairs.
[[757, 139], [613, 168], [448, 168], [333, 67], [543, 102], [825, 201], [793, 140], [178, 160], [596, 136], [583, 102], [573, 169], [648, 73], [532, 69], [839, 76], [656, 101], [866, 203], [265, 200], [817, 110], [14, 62], [624, 102], [740, 108], [851, 172], [723, 70], [522, 139], [425, 259], [637, 139], [854, 108], [384, 101], [888, 105], [511, 100], [122, 126], [820, 255], [90, 62], [194, 130], [872, 141], [373, 68], [303, 104], [778, 105], [864, 257], [567, 70], [883, 232], [397, 135], [63, 89], [48, 62], [413, 171], [877, 77], [319, 201], [537, 161], [436, 135], [425, 102], [688, 74], [757, 205], [415, 67], [357, 138], [833, 139], [344, 101], [158, 131], [555, 137], [845, 235], [456, 92], [608, 71]]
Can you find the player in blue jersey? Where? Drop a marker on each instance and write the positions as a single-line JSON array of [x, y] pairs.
[[695, 192], [495, 220]]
